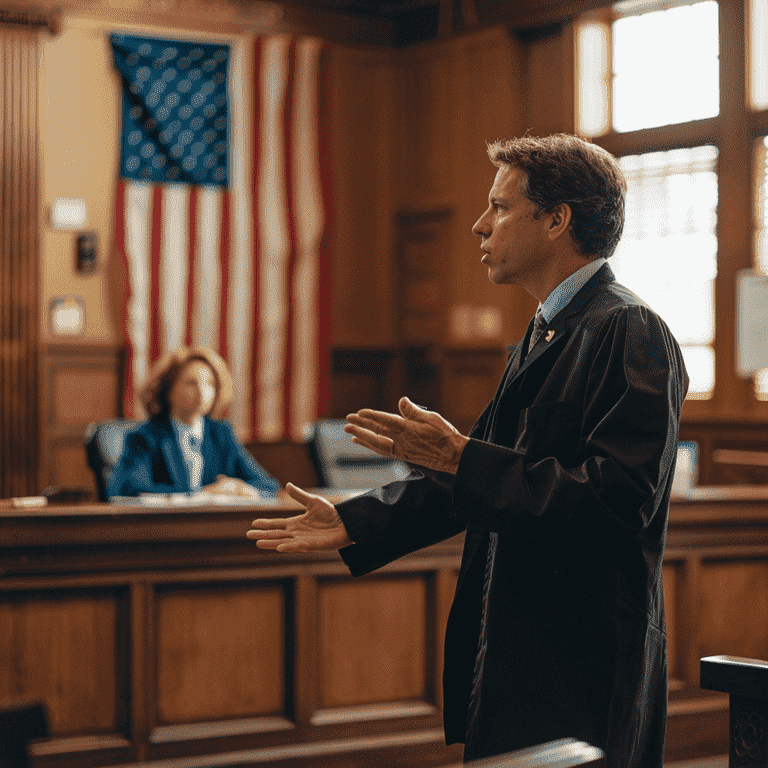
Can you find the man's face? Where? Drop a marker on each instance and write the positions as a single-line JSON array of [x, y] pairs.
[[513, 240]]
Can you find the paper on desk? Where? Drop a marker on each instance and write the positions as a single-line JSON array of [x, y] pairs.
[[199, 499], [751, 323]]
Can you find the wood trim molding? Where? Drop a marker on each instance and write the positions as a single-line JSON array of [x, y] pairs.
[[31, 18]]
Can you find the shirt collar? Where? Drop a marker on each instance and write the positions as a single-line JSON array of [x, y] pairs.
[[195, 429], [562, 295]]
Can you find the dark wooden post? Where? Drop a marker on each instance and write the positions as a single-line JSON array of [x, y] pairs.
[[21, 721], [746, 682]]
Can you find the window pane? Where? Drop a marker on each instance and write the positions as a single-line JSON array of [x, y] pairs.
[[761, 238], [668, 253], [593, 78], [665, 66], [758, 54]]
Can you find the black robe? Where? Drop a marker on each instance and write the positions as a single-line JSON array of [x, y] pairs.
[[571, 466]]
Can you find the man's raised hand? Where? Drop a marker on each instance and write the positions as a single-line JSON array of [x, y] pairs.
[[318, 529], [417, 436]]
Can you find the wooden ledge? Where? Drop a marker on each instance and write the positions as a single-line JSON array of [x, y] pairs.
[[736, 675]]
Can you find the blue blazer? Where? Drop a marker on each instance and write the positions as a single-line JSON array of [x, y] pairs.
[[152, 461]]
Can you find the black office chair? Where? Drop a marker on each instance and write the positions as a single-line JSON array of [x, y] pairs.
[[340, 463], [21, 720], [104, 443]]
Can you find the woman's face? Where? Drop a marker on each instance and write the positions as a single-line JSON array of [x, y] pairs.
[[193, 393]]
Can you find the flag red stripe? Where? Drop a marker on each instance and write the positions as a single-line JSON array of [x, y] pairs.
[[154, 302], [323, 405], [191, 244], [224, 261], [291, 220], [122, 249], [256, 163]]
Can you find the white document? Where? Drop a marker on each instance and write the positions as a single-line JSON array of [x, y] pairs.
[[751, 323]]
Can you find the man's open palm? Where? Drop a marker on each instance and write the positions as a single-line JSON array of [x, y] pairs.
[[318, 529]]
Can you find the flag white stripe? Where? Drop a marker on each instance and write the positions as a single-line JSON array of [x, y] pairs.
[[138, 208], [208, 268], [273, 232], [173, 286], [240, 304], [308, 205]]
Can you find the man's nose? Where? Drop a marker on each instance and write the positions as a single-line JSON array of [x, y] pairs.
[[480, 228]]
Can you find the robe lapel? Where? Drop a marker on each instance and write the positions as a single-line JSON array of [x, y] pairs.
[[558, 328]]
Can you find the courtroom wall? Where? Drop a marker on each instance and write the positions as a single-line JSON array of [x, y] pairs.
[[408, 131]]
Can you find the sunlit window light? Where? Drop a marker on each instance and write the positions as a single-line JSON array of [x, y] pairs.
[[758, 55], [665, 66], [592, 78], [668, 252], [761, 238]]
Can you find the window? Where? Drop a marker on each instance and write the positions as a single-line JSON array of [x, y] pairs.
[[665, 65], [668, 253], [667, 88]]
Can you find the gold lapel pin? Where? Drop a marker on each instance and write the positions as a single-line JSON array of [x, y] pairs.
[[550, 335]]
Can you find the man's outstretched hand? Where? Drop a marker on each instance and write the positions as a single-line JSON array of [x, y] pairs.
[[319, 528], [417, 436]]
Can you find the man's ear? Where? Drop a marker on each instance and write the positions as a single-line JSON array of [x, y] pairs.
[[559, 220]]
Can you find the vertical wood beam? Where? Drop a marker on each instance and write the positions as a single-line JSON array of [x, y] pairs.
[[735, 208], [19, 221]]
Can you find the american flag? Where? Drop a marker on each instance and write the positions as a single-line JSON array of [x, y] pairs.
[[221, 218]]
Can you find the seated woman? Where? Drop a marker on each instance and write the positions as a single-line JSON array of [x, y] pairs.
[[182, 448]]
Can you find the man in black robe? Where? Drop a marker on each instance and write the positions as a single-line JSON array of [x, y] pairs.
[[562, 486]]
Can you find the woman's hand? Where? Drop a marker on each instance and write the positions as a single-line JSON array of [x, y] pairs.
[[318, 529], [232, 486]]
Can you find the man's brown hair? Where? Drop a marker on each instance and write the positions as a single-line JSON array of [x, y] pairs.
[[566, 169]]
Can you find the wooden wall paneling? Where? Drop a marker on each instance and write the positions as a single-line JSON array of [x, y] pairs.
[[80, 384], [734, 609], [142, 665], [364, 378], [422, 242], [306, 655], [19, 262], [689, 619], [469, 381], [286, 460], [373, 642], [221, 653], [67, 647]]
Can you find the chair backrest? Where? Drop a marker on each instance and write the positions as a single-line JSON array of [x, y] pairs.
[[340, 463], [104, 443], [21, 720]]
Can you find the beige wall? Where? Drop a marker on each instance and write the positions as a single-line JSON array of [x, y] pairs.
[[79, 134]]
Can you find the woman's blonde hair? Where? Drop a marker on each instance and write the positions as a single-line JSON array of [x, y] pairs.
[[154, 392]]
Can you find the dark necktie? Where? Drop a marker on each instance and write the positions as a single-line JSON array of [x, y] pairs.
[[539, 325]]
